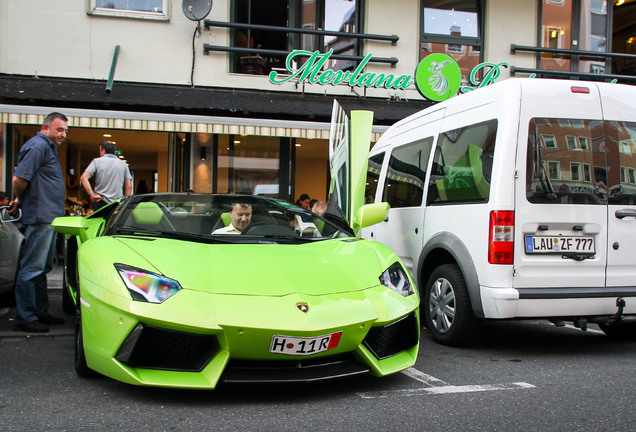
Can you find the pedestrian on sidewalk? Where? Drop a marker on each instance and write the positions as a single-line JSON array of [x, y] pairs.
[[38, 188], [112, 177]]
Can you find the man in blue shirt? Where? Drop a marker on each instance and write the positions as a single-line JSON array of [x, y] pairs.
[[38, 188]]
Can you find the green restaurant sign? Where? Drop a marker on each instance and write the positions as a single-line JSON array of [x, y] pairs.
[[437, 77]]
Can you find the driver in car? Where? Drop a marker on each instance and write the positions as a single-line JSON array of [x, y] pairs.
[[241, 215]]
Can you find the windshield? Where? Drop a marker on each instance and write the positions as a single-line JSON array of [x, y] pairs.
[[222, 218]]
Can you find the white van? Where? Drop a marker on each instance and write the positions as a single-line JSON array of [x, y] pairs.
[[517, 200]]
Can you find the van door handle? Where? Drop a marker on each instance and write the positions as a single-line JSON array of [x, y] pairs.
[[621, 214]]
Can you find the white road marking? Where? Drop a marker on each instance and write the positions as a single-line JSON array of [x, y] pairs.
[[424, 378], [449, 389]]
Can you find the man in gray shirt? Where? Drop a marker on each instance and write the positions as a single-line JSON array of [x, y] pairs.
[[111, 177]]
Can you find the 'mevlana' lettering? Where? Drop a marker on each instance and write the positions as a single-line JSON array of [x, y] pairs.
[[311, 71]]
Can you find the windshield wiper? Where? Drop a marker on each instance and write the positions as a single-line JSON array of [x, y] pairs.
[[131, 230], [176, 235], [288, 237]]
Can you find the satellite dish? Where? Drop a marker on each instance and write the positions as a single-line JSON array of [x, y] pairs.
[[196, 10]]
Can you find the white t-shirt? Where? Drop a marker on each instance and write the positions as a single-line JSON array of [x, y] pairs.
[[227, 230], [109, 173]]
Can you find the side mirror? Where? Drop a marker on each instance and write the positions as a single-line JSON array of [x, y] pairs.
[[371, 214], [71, 225], [6, 217]]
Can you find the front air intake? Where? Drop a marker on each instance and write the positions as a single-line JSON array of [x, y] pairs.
[[390, 339], [149, 347]]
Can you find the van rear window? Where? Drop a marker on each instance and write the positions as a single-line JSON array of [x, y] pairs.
[[574, 161]]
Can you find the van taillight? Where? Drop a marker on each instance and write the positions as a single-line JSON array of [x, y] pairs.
[[501, 237]]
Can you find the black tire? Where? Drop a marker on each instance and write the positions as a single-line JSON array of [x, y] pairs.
[[447, 311], [81, 368], [69, 277], [68, 304], [625, 332]]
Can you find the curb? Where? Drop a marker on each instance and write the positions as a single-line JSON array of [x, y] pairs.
[[7, 314]]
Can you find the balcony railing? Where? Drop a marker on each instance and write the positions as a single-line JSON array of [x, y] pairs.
[[283, 53], [575, 56]]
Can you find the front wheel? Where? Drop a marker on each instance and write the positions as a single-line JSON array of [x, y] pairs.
[[447, 310], [625, 332], [81, 368]]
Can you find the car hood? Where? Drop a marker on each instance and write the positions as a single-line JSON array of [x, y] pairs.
[[316, 268]]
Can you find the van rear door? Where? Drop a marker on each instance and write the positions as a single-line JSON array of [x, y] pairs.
[[619, 111], [561, 189]]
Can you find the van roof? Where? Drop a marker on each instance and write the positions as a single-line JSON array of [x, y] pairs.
[[510, 88]]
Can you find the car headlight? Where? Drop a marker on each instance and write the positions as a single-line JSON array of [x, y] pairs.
[[396, 279], [146, 286]]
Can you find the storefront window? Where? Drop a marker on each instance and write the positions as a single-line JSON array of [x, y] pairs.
[[333, 15], [453, 28], [144, 9], [456, 19], [248, 164], [340, 15], [577, 25]]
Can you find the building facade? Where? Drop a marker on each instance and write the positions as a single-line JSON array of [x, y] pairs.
[[186, 88]]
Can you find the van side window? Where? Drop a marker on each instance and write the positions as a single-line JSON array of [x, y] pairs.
[[373, 176], [622, 181], [462, 165], [566, 162], [406, 174]]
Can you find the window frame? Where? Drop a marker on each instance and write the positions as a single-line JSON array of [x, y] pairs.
[[575, 167], [470, 41], [587, 173], [557, 170], [296, 41], [549, 143], [624, 147], [572, 142], [92, 9]]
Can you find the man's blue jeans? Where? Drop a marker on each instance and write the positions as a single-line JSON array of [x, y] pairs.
[[31, 290]]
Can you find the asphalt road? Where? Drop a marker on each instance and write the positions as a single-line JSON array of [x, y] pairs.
[[524, 376]]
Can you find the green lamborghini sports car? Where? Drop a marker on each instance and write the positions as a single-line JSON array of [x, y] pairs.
[[190, 290]]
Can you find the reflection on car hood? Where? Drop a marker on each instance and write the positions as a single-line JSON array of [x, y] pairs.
[[317, 268]]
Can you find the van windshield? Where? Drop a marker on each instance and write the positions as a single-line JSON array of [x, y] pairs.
[[576, 161]]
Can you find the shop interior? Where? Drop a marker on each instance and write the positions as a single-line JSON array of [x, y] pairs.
[[148, 157]]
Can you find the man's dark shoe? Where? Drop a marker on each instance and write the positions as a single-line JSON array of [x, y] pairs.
[[32, 327], [51, 320]]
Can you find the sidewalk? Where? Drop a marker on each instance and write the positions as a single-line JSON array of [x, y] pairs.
[[7, 314]]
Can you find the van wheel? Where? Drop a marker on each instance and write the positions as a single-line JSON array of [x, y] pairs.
[[447, 309], [625, 332]]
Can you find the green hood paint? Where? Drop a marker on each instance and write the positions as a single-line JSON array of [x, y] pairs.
[[336, 265]]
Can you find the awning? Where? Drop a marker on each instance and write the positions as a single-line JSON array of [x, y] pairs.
[[157, 122]]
